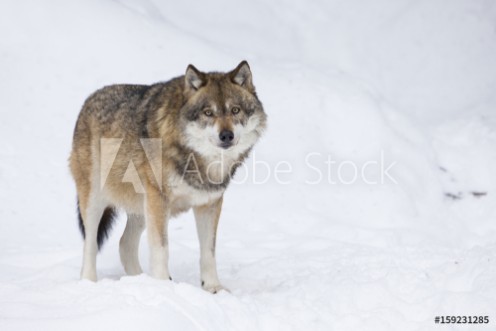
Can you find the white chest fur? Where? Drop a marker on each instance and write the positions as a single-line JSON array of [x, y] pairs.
[[184, 196]]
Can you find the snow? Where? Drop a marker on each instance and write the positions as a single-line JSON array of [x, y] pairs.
[[399, 85]]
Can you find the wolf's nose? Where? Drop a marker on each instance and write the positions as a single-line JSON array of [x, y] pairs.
[[226, 136]]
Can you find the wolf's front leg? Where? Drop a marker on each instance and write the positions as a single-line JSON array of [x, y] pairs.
[[207, 219], [157, 215]]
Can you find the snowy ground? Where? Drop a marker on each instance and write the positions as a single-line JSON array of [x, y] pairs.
[[392, 83]]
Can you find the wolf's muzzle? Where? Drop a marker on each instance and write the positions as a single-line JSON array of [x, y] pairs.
[[227, 137]]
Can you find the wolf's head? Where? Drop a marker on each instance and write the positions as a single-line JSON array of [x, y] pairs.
[[222, 112]]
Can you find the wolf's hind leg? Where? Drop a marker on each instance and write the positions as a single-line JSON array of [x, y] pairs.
[[129, 244], [91, 213], [157, 219]]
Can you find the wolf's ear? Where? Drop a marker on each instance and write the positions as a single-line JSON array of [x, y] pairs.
[[242, 76], [194, 78]]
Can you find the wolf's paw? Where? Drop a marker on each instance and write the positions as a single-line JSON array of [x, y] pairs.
[[88, 275], [162, 274], [214, 288], [133, 270]]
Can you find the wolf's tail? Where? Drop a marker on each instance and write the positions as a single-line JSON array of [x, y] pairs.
[[104, 227]]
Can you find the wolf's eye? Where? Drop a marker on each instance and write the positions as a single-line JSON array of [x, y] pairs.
[[235, 110], [208, 112]]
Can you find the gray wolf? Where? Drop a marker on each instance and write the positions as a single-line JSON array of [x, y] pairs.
[[154, 151]]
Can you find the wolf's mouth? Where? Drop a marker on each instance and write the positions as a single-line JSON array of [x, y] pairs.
[[228, 144]]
